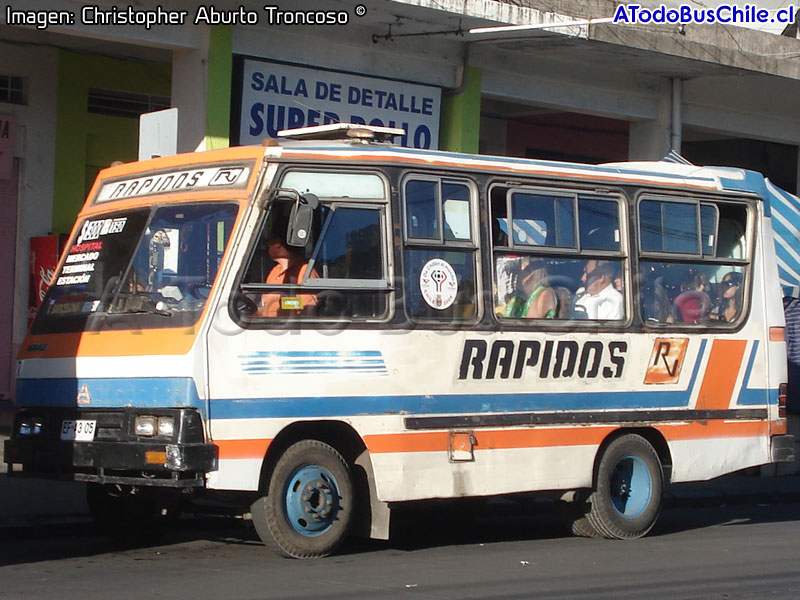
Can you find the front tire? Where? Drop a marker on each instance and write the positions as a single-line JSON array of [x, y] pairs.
[[308, 509], [628, 489]]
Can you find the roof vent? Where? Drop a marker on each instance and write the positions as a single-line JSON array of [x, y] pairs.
[[343, 131]]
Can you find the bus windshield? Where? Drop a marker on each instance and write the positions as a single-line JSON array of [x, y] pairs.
[[141, 268]]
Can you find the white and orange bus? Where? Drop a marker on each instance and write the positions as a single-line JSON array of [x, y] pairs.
[[322, 328]]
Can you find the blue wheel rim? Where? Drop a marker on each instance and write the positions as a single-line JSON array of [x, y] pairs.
[[312, 500], [631, 487]]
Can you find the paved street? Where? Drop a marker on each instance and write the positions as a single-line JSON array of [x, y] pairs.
[[510, 550], [734, 538]]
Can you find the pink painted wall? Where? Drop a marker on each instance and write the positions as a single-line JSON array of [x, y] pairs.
[[571, 136]]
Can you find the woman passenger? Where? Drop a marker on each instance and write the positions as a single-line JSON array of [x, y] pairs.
[[730, 297], [536, 299]]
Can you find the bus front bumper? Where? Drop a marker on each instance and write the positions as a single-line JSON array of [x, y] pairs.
[[133, 463], [116, 454]]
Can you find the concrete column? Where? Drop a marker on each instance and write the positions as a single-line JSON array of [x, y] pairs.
[[676, 121], [189, 78], [201, 90], [650, 139], [461, 115]]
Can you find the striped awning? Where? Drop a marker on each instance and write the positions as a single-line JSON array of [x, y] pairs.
[[785, 212]]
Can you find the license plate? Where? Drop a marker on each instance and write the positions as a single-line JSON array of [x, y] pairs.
[[81, 430]]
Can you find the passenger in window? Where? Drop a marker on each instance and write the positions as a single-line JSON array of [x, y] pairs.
[[563, 301], [693, 304], [618, 282], [730, 297], [535, 299], [598, 299], [290, 268], [507, 270]]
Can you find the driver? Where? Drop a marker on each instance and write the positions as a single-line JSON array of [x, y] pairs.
[[290, 268]]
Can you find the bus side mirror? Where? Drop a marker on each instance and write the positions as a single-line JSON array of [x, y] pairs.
[[301, 219]]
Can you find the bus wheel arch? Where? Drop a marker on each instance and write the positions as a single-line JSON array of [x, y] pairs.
[[336, 451], [628, 483]]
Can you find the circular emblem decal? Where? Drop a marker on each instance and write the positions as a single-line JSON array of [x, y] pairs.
[[438, 283]]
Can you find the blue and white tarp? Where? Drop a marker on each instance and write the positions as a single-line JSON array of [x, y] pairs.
[[785, 212]]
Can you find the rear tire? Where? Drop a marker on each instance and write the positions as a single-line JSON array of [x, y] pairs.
[[628, 489], [308, 509], [575, 516]]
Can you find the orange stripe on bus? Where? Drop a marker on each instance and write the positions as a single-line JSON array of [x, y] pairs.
[[505, 439], [713, 429], [132, 342], [722, 370], [407, 442], [242, 448]]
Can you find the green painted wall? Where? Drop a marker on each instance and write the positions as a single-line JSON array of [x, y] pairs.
[[461, 116], [218, 91], [85, 142]]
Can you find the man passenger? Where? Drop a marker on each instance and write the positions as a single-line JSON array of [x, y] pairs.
[[598, 299]]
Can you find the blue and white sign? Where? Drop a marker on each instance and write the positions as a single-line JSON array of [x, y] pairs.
[[277, 96]]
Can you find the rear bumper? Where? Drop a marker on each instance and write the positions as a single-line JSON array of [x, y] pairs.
[[782, 448]]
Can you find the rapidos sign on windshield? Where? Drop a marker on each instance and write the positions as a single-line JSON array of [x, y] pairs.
[[278, 96]]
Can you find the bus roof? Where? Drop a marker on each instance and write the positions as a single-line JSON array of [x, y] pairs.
[[781, 205], [652, 173]]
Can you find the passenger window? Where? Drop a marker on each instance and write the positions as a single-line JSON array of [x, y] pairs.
[[533, 287], [441, 284], [537, 273], [457, 220], [669, 227], [692, 293], [440, 262], [705, 290], [732, 226], [543, 220], [422, 211], [708, 229], [599, 224]]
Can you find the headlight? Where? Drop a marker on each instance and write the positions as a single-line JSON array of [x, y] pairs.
[[29, 427], [145, 426], [166, 426], [150, 426]]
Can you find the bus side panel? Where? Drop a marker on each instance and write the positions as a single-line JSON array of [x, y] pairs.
[[702, 459], [524, 428]]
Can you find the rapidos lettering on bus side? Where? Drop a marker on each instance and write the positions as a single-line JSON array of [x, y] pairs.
[[566, 358]]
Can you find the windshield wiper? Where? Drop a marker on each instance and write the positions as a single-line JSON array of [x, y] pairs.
[[141, 311]]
